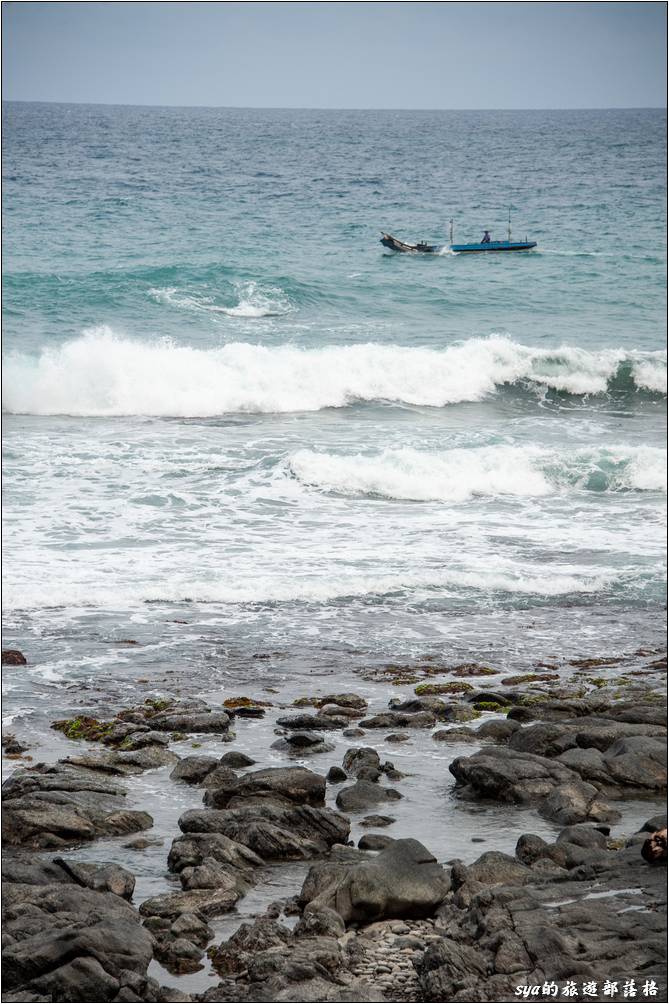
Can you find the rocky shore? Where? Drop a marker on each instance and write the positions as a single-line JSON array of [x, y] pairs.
[[583, 912]]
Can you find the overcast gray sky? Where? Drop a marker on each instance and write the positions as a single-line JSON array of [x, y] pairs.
[[338, 55]]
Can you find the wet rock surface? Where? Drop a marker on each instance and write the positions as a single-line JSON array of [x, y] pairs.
[[383, 921]]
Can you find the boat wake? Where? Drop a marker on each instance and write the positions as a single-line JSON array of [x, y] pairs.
[[101, 373]]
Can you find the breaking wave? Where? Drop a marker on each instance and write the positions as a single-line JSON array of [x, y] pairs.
[[460, 474], [104, 374], [316, 589]]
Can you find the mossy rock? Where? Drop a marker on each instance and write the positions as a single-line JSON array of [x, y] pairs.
[[245, 702], [591, 663], [442, 688], [157, 704], [513, 681], [305, 702], [488, 706], [597, 681], [463, 713], [472, 669], [83, 727]]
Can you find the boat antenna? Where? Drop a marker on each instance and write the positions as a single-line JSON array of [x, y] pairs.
[[509, 230], [451, 231]]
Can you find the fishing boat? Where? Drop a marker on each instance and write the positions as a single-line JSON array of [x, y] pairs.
[[490, 245], [393, 244]]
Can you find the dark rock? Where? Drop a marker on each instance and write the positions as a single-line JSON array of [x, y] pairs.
[[361, 758], [204, 903], [59, 805], [193, 849], [353, 733], [575, 802], [12, 657], [640, 761], [495, 868], [457, 735], [288, 784], [374, 841], [101, 877], [334, 710], [319, 921], [303, 743], [218, 777], [194, 769], [176, 719], [404, 880], [499, 730], [416, 705], [114, 944], [273, 831], [583, 835], [377, 821], [396, 719], [398, 737], [236, 760], [307, 723], [658, 822], [140, 738], [248, 711], [335, 775], [347, 700], [362, 794]]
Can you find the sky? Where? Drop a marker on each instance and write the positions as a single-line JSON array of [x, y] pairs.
[[337, 55]]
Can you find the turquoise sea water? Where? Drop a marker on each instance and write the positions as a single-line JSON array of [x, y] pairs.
[[226, 406]]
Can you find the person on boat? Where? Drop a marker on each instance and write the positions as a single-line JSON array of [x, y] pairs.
[[486, 237]]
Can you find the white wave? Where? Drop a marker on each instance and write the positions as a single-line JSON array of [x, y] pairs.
[[253, 301], [460, 474], [101, 373], [309, 589], [651, 374]]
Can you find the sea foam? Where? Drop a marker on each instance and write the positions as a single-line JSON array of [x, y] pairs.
[[459, 474], [103, 373]]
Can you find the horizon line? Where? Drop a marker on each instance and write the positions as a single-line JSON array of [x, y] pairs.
[[334, 108]]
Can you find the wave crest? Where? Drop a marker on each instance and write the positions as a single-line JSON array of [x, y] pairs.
[[460, 474], [103, 374]]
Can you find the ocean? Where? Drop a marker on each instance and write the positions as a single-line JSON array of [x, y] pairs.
[[241, 436]]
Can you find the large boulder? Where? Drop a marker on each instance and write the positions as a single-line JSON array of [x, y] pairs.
[[510, 776], [63, 940], [192, 849], [274, 832], [194, 716], [363, 794], [404, 880], [61, 805], [285, 784]]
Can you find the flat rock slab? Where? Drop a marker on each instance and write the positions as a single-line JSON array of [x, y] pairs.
[[67, 942], [508, 925], [61, 805], [292, 784], [272, 831]]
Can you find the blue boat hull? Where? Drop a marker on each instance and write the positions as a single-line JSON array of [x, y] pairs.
[[494, 246]]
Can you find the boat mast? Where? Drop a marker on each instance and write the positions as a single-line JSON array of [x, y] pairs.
[[450, 238], [509, 230]]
